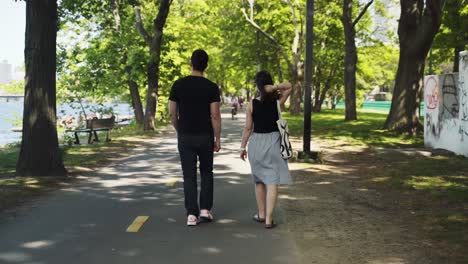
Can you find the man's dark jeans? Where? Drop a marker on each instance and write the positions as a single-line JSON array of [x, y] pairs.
[[192, 147]]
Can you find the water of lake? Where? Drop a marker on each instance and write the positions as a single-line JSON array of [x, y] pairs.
[[11, 114]]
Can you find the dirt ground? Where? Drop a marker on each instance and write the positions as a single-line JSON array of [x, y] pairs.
[[337, 214]]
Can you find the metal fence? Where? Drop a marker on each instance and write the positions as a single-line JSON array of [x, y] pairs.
[[383, 106]]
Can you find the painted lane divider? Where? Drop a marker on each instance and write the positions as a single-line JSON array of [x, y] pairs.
[[171, 182], [137, 224]]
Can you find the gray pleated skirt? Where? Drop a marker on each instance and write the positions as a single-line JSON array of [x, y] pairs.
[[265, 159]]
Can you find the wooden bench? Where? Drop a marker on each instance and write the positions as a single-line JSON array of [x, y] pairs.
[[92, 127]]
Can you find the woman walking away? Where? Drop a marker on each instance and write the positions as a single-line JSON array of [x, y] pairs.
[[268, 167]]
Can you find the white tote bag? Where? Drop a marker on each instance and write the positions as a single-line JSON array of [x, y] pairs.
[[286, 149]]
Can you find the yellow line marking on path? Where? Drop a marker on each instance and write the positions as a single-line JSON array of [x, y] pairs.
[[171, 182], [137, 223]]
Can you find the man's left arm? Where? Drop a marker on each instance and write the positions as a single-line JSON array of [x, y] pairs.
[[173, 113], [173, 101], [216, 124], [216, 117]]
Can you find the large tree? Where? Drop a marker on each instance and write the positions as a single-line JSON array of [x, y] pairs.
[[328, 51], [108, 62], [351, 56], [419, 22], [154, 42], [129, 69], [295, 63], [39, 154]]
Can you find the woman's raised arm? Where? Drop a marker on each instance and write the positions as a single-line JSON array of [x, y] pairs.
[[284, 88]]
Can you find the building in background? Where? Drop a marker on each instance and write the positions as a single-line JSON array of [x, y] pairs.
[[6, 72], [18, 74]]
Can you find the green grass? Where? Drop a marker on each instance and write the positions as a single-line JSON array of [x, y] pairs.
[[442, 177], [75, 158], [367, 130], [440, 184], [8, 157]]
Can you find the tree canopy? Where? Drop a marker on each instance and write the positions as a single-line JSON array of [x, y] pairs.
[[97, 61]]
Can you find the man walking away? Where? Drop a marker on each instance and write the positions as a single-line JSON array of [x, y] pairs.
[[194, 109]]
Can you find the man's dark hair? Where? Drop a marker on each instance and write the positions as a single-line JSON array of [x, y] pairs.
[[199, 60]]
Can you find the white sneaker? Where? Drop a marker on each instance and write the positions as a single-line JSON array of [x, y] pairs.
[[192, 220], [206, 215]]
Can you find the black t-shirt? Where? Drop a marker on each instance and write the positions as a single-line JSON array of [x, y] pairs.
[[193, 95], [265, 115]]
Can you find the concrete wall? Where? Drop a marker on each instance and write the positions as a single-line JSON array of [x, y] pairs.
[[446, 110], [463, 115]]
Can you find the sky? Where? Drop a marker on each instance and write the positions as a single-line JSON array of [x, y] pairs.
[[12, 27]]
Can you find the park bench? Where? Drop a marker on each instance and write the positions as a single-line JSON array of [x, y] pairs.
[[92, 127]]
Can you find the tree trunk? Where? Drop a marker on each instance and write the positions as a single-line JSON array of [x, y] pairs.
[[416, 30], [295, 99], [134, 91], [136, 101], [115, 12], [404, 111], [154, 43], [316, 98], [323, 94], [333, 102], [317, 82], [296, 93], [318, 106], [132, 85], [350, 61], [39, 154], [152, 94]]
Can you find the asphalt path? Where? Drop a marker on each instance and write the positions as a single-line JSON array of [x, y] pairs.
[[89, 222]]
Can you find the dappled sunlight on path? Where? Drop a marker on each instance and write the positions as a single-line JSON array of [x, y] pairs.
[[86, 222]]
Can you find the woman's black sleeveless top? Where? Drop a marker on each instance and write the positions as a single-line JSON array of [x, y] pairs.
[[265, 115]]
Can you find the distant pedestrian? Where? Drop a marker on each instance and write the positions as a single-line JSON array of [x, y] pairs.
[[241, 102], [234, 107], [195, 115], [268, 167]]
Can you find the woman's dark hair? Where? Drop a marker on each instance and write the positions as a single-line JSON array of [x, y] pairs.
[[261, 79], [199, 60]]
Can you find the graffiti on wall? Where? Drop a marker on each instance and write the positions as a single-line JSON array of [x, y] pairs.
[[450, 97], [431, 87], [446, 106], [464, 114], [442, 103], [463, 88]]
